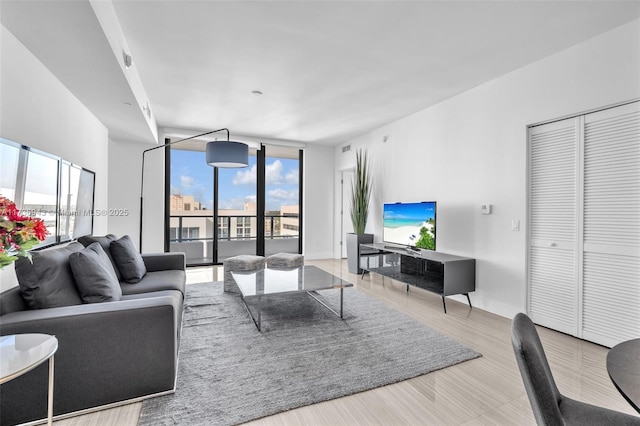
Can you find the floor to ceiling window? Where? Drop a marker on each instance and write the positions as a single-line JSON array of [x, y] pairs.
[[217, 213], [282, 200], [191, 206], [236, 207]]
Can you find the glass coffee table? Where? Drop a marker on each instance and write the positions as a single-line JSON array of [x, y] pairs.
[[265, 282]]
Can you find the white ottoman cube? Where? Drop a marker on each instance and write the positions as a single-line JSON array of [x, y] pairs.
[[242, 263], [285, 260]]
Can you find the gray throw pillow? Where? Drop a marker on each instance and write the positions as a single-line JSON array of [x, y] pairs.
[[105, 242], [127, 259], [95, 276], [47, 281]]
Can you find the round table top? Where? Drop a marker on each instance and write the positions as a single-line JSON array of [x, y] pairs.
[[20, 353], [623, 365]]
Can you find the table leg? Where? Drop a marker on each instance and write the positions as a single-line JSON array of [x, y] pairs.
[[257, 323], [50, 393], [259, 313], [316, 296]]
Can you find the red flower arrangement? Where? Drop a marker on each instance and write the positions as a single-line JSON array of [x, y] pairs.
[[18, 233]]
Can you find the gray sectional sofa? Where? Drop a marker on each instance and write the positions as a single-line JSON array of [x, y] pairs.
[[108, 352]]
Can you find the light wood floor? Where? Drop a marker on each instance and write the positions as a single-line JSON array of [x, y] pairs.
[[484, 391]]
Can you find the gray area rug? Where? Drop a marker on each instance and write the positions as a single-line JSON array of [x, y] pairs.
[[230, 373]]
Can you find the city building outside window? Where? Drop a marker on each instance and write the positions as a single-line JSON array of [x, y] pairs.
[[194, 185]]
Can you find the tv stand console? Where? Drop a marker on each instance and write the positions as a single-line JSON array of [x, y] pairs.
[[440, 273]]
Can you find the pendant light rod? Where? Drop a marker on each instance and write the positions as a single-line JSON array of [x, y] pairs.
[[142, 174]]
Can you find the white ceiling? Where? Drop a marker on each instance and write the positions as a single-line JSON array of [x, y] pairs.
[[329, 70]]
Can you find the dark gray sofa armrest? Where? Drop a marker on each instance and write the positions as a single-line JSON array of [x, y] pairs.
[[11, 301], [164, 261], [31, 321], [127, 348]]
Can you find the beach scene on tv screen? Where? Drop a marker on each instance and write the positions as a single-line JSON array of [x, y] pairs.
[[410, 224]]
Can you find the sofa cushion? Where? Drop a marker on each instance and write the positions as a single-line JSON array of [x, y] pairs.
[[127, 259], [105, 242], [47, 280], [157, 281], [95, 277]]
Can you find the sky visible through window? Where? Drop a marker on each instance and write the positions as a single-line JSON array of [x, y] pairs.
[[190, 175]]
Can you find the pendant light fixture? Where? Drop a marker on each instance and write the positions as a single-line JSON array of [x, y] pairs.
[[226, 154]]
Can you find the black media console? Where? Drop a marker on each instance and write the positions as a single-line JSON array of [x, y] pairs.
[[440, 273]]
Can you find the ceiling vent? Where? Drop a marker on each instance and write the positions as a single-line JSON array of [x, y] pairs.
[[346, 148]]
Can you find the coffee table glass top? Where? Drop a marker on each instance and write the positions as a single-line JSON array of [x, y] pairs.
[[274, 281]]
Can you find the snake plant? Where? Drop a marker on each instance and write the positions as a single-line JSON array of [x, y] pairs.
[[361, 192]]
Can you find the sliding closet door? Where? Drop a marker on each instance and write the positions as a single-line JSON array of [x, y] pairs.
[[611, 258], [584, 217], [553, 267]]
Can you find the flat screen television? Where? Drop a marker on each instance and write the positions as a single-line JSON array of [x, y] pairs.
[[410, 224]]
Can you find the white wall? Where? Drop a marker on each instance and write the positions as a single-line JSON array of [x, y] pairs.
[[318, 202], [472, 149], [125, 168], [38, 111]]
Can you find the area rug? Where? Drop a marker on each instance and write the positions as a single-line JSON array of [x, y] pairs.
[[230, 373]]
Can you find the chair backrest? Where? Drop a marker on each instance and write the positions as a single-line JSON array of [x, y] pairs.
[[536, 374]]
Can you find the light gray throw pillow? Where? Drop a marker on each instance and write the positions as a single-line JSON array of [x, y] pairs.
[[128, 260], [95, 277]]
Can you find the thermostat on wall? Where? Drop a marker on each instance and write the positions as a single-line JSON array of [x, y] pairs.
[[485, 208]]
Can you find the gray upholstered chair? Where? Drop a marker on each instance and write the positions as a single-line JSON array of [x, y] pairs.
[[549, 406]]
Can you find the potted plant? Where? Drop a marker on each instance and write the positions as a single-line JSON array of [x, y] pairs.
[[18, 233], [361, 186]]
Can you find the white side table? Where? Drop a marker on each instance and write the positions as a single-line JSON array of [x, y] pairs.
[[21, 353]]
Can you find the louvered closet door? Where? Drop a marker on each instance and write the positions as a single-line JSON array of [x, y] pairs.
[[611, 259], [553, 288]]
